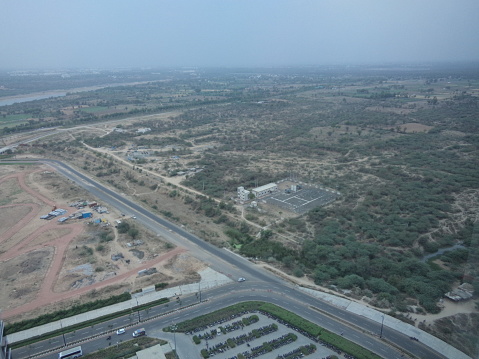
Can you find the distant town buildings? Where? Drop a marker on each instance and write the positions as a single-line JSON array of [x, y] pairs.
[[120, 130]]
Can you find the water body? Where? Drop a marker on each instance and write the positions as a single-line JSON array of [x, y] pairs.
[[441, 251], [6, 101], [32, 97]]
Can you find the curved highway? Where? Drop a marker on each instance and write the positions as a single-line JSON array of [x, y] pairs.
[[261, 285]]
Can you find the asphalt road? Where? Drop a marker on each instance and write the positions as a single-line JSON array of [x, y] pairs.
[[260, 285], [176, 312]]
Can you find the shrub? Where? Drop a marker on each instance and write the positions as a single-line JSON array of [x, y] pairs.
[[161, 285], [85, 251], [298, 272], [74, 310]]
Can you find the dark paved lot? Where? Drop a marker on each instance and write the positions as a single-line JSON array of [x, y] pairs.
[[191, 350]]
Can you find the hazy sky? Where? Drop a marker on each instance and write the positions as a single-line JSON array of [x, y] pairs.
[[138, 33]]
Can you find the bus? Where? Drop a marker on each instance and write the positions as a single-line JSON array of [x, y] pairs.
[[71, 353]]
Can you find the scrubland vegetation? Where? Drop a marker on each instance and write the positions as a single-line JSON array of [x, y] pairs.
[[402, 147]]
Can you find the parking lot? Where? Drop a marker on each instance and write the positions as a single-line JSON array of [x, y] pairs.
[[302, 200], [247, 347]]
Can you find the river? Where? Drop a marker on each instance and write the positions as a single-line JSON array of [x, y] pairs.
[[6, 101], [31, 97]]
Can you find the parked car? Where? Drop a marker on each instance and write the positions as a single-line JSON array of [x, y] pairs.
[[121, 331], [241, 279]]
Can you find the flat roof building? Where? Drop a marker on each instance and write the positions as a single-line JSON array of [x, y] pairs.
[[243, 194], [264, 190]]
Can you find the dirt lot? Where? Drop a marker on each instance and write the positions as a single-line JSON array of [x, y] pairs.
[[47, 265]]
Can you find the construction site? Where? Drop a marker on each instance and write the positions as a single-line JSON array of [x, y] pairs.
[[56, 250]]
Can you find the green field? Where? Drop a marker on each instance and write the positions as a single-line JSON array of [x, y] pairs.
[[13, 120], [15, 163], [94, 109]]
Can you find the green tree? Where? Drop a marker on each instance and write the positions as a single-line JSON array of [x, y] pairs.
[[350, 281], [123, 227], [133, 232], [288, 261]]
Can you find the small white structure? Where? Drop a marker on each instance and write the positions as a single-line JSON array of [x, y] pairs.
[[264, 190], [464, 292], [143, 130], [243, 194]]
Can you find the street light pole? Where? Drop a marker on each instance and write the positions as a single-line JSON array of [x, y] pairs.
[[382, 326], [63, 334], [137, 310]]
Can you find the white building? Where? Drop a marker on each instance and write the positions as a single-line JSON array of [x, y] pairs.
[[264, 190], [243, 194]]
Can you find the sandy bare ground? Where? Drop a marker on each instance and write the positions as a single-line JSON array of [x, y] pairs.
[[46, 295], [33, 251]]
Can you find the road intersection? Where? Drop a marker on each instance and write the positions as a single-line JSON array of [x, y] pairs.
[[261, 285]]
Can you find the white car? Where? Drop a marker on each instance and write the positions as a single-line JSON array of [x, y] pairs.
[[121, 331], [241, 279]]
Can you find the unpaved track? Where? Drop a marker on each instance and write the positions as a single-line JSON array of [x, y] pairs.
[[46, 295]]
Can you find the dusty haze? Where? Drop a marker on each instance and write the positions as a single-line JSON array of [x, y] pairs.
[[112, 33]]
